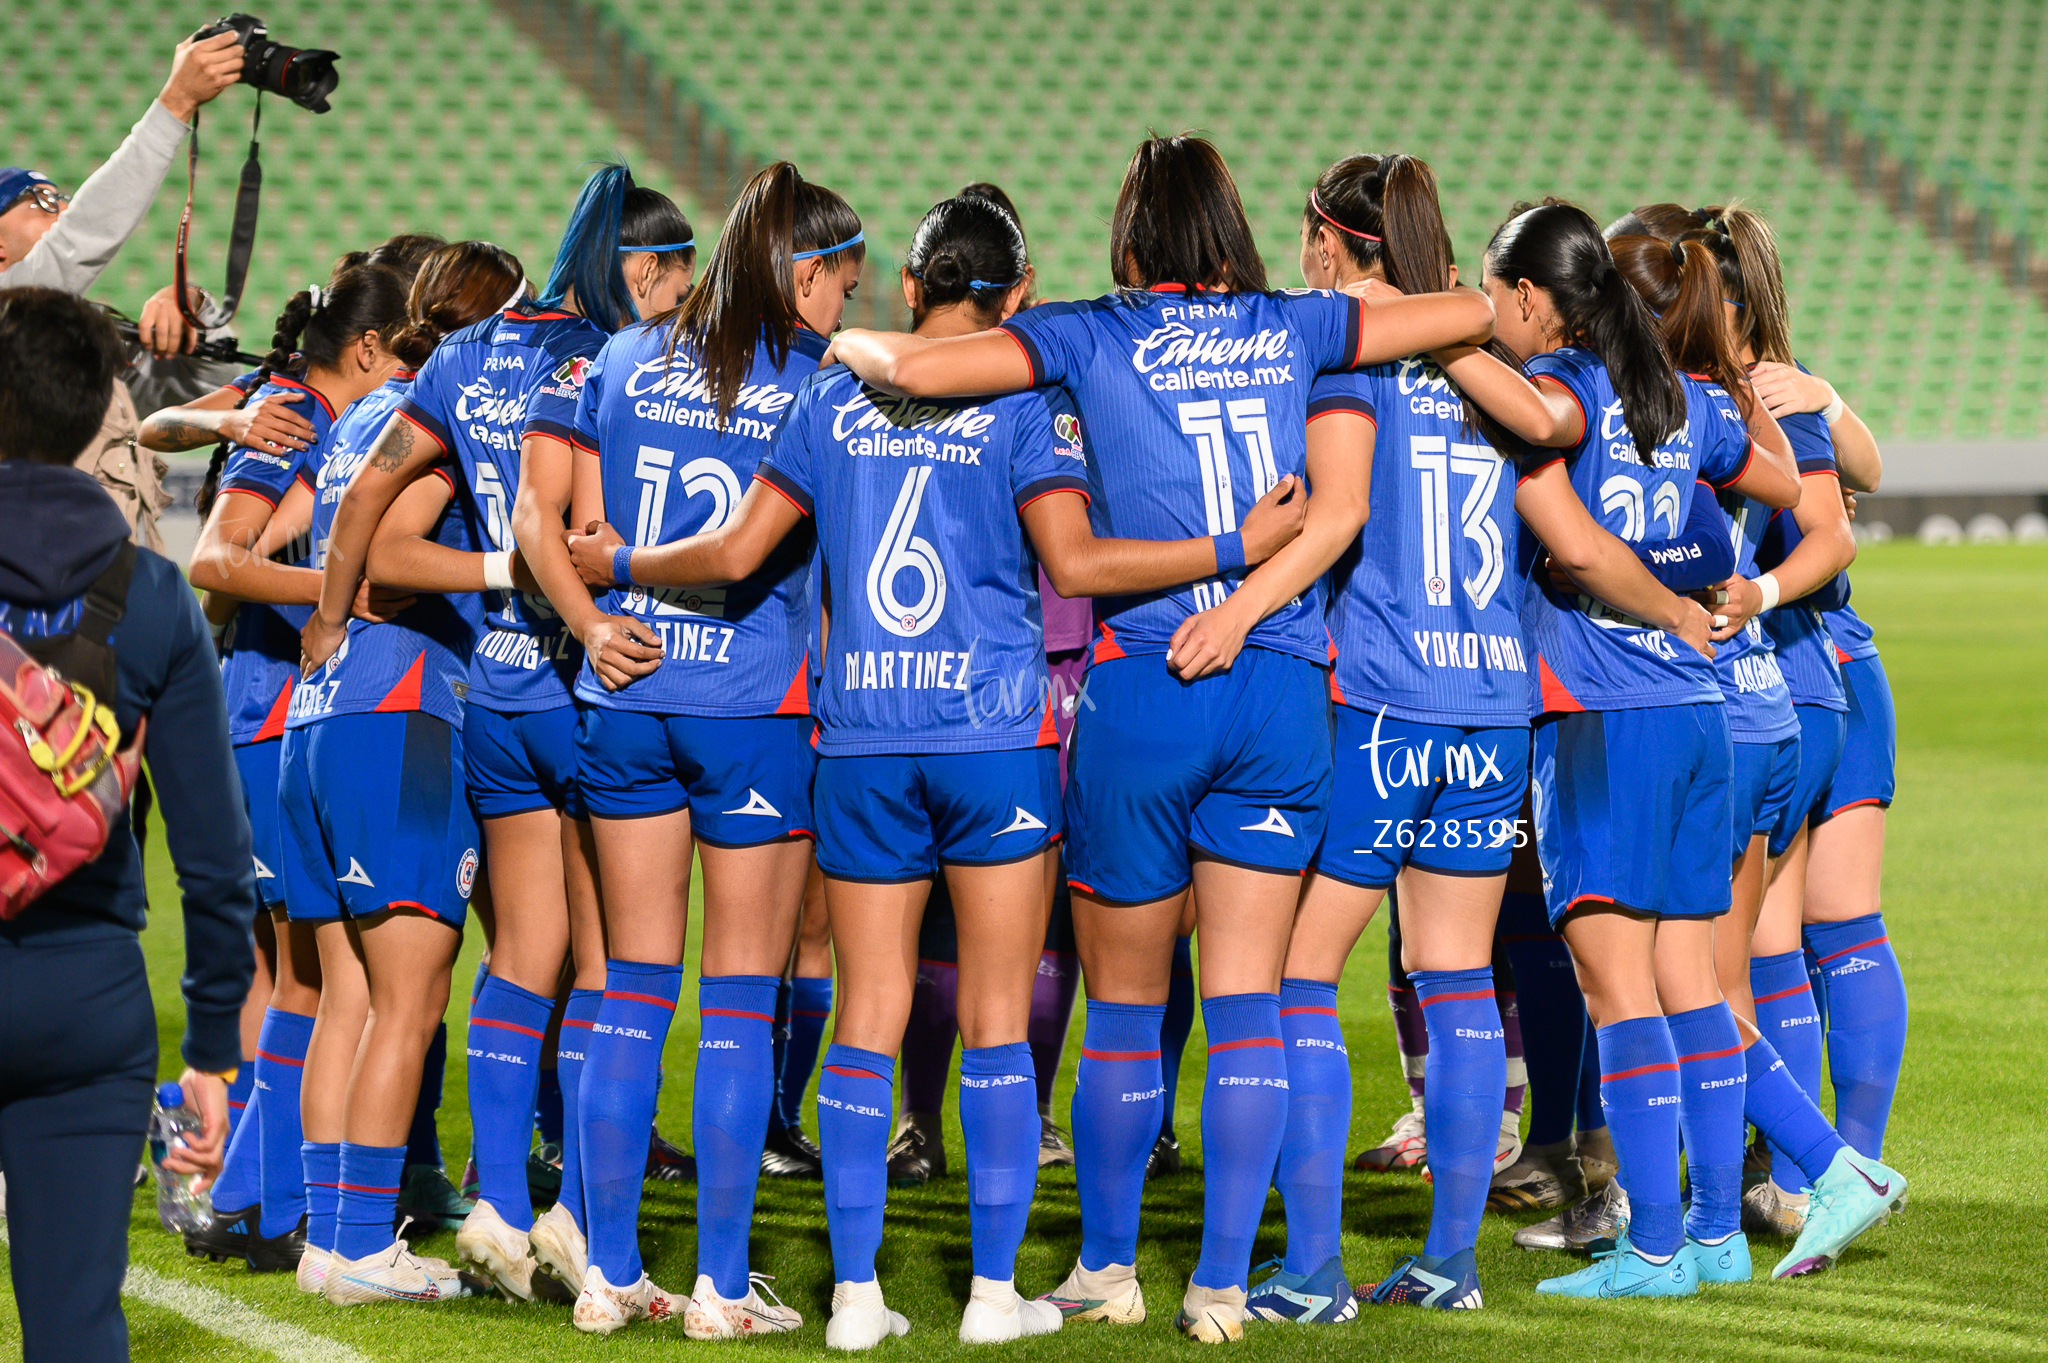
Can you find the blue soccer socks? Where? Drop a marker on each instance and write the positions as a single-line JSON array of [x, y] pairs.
[[1244, 1115], [241, 1172], [1118, 1101], [1639, 1092], [572, 1043], [322, 1165], [615, 1107], [280, 1064], [370, 1175], [1310, 1174], [809, 1008], [733, 1092], [999, 1125], [1788, 1019], [506, 1027], [1866, 1024], [854, 1090], [1711, 1091], [1463, 1089], [1786, 1113]]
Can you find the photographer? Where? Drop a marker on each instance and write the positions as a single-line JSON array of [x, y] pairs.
[[49, 240], [78, 1038]]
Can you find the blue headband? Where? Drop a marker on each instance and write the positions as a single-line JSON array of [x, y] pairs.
[[672, 246], [856, 239], [1732, 302], [975, 283]]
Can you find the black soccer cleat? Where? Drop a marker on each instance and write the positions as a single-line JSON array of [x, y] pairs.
[[790, 1153], [668, 1164], [1165, 1157], [276, 1253], [226, 1236]]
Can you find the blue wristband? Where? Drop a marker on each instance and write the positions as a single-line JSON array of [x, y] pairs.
[[622, 565], [1229, 551]]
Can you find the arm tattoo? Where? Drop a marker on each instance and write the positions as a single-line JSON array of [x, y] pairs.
[[394, 448]]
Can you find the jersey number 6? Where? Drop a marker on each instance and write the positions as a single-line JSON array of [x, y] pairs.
[[900, 550]]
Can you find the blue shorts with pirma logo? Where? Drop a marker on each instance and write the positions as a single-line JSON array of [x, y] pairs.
[[746, 781], [1438, 797], [889, 817]]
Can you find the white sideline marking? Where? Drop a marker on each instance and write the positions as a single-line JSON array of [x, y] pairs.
[[220, 1314]]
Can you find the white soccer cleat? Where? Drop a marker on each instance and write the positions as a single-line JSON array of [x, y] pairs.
[[860, 1318], [559, 1247], [501, 1252], [601, 1308], [311, 1275], [1110, 1293], [393, 1273], [1212, 1315], [710, 1316], [995, 1314], [1406, 1146]]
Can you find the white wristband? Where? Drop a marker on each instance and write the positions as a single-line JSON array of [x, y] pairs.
[[1833, 411], [498, 571], [1768, 585]]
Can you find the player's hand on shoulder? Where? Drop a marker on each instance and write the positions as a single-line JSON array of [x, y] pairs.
[[379, 604], [1786, 390], [1373, 291], [269, 423], [592, 552], [1274, 520], [620, 649]]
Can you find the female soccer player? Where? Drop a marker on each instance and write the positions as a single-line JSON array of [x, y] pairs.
[[380, 844], [259, 510], [626, 249], [1632, 757], [696, 733], [934, 758], [1431, 683], [1198, 762]]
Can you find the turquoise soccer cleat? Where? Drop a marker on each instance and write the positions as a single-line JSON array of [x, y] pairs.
[[1855, 1194], [1449, 1283], [1319, 1298], [1624, 1272], [1726, 1261]]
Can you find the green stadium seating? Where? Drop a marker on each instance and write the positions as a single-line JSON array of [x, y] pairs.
[[446, 120], [897, 103]]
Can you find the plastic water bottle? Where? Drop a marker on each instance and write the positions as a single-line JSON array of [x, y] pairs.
[[177, 1206]]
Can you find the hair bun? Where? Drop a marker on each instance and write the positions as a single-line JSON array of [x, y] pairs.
[[945, 271]]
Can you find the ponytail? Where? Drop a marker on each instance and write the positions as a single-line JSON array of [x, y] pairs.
[[967, 249], [1556, 246], [610, 214], [747, 295], [1681, 283], [1746, 250], [1180, 220], [1385, 211], [455, 287]]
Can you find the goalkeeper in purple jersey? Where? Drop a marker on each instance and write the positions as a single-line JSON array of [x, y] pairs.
[[1205, 758]]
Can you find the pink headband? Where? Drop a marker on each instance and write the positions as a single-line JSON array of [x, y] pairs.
[[1321, 212]]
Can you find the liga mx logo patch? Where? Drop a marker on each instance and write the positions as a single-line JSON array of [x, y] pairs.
[[572, 370], [465, 873], [1066, 428]]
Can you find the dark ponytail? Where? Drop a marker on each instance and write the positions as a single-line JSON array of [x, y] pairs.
[[317, 325], [1385, 211], [747, 294], [1681, 282], [1179, 220], [1557, 247], [968, 249], [982, 189], [405, 253], [1746, 250], [612, 212], [456, 286]]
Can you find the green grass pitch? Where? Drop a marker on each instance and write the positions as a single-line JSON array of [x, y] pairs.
[[1964, 640]]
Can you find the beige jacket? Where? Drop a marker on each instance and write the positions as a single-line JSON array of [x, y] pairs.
[[132, 476]]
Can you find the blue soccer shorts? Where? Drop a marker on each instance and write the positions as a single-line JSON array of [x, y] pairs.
[[1235, 766], [1633, 810], [1766, 775], [521, 762], [1867, 773], [257, 763], [892, 818], [745, 781], [1438, 797], [1821, 735], [376, 817]]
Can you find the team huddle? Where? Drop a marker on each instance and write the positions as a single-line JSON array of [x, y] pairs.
[[1020, 649]]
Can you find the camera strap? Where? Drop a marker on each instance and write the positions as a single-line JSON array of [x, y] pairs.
[[241, 237]]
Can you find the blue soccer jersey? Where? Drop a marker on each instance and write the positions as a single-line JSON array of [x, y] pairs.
[[1589, 657], [259, 651], [935, 642], [671, 470], [1425, 608], [1759, 702], [1805, 650], [1851, 635], [420, 660], [1195, 408], [473, 395]]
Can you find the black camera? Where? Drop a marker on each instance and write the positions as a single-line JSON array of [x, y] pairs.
[[305, 76]]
